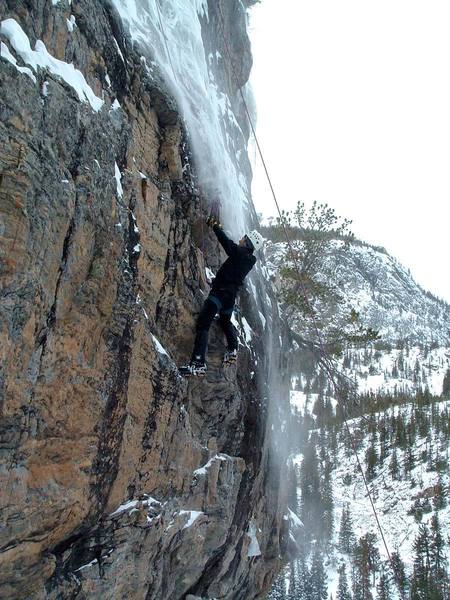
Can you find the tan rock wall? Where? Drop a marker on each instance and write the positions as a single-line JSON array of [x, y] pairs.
[[93, 415]]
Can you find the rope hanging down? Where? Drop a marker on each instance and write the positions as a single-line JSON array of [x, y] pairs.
[[326, 362]]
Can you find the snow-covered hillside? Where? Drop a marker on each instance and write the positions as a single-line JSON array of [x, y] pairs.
[[403, 500], [413, 351], [388, 299], [385, 371], [403, 448], [404, 453], [384, 293], [398, 370]]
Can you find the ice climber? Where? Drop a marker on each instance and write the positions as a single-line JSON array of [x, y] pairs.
[[222, 297]]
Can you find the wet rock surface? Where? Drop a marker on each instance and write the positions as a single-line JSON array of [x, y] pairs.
[[119, 478]]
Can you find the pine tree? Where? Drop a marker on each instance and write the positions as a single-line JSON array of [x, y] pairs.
[[416, 372], [307, 583], [333, 445], [383, 441], [343, 592], [420, 581], [409, 460], [371, 461], [319, 407], [326, 497], [301, 579], [320, 229], [359, 589], [400, 434], [383, 587], [438, 560], [373, 554], [393, 465], [318, 578], [310, 492], [346, 536], [446, 384], [366, 562], [437, 545], [439, 500], [400, 579]]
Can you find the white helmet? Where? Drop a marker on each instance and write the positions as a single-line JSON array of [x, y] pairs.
[[256, 239]]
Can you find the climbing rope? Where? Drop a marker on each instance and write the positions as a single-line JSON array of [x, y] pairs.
[[325, 360]]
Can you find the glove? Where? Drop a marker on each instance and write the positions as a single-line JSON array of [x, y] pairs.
[[212, 220]]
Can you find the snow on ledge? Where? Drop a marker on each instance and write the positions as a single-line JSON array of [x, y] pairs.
[[71, 23], [253, 549], [115, 105], [41, 58], [6, 54], [209, 274], [202, 470], [193, 516], [132, 505], [118, 177], [126, 507], [248, 332], [89, 564], [159, 347]]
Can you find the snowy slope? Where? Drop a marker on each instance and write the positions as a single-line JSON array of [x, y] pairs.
[[398, 370], [389, 371], [414, 350], [393, 499], [384, 293], [388, 299]]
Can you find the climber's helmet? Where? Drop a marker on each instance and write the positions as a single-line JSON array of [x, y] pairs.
[[254, 240]]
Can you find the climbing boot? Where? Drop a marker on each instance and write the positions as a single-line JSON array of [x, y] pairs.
[[195, 367], [230, 357]]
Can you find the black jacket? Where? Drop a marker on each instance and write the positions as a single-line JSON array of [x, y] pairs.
[[239, 263]]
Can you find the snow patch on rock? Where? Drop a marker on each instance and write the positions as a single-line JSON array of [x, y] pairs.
[[40, 58]]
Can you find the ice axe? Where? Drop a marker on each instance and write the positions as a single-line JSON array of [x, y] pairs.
[[198, 228], [214, 213]]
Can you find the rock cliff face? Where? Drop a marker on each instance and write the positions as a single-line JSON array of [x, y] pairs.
[[120, 479]]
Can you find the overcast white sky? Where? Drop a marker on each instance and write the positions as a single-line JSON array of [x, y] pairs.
[[353, 101]]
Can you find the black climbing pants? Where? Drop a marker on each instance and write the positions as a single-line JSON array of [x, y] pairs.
[[222, 302]]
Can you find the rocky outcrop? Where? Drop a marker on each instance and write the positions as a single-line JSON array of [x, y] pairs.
[[119, 478]]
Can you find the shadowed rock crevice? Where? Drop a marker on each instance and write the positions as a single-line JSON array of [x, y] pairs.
[[51, 316]]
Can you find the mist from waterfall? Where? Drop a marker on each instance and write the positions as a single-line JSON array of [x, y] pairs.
[[216, 138]]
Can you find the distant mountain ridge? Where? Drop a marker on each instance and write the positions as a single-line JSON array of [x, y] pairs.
[[384, 293], [388, 299], [414, 348]]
